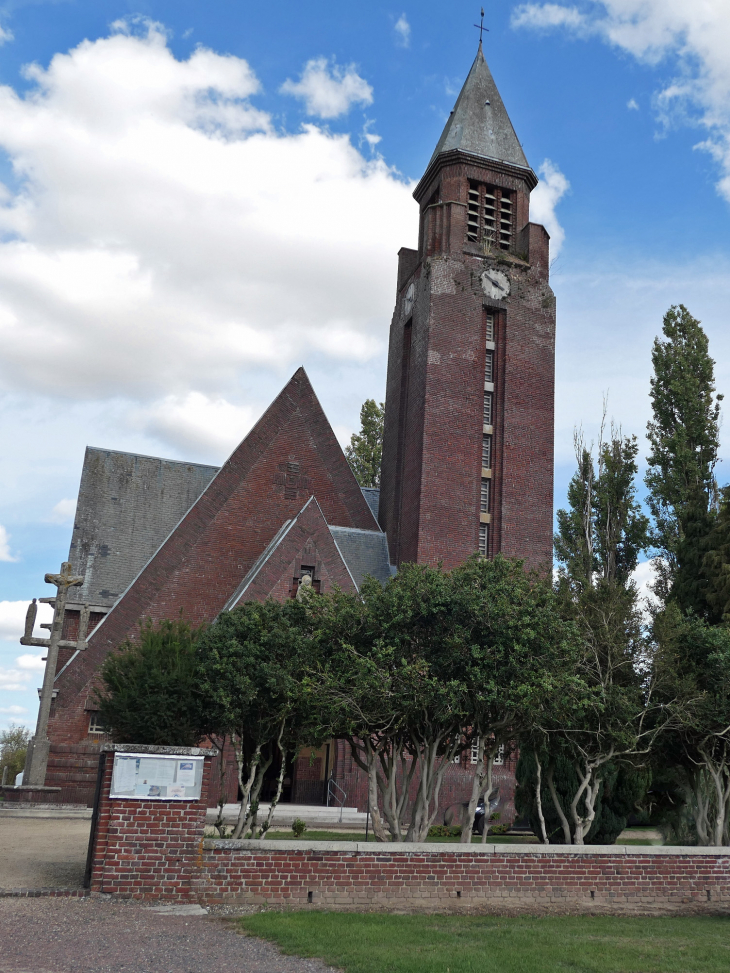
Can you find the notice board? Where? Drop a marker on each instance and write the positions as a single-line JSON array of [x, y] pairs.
[[156, 777]]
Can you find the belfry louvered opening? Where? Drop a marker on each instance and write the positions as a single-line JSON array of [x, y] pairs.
[[490, 216]]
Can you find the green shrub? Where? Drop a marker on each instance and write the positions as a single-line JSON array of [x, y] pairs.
[[444, 831], [298, 827]]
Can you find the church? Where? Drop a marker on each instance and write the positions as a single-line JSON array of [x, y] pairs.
[[467, 457]]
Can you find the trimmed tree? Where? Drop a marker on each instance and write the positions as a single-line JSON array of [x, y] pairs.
[[252, 664], [149, 690]]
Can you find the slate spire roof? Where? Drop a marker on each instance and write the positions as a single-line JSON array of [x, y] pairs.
[[479, 123]]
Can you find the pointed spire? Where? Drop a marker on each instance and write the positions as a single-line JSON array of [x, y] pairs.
[[479, 123]]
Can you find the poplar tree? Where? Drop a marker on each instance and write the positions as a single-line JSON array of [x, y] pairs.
[[365, 452], [684, 436], [582, 759]]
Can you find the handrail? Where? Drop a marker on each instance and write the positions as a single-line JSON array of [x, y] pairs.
[[331, 795]]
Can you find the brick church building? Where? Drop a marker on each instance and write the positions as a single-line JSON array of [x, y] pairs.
[[467, 456]]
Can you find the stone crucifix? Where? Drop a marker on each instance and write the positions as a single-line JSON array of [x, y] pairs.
[[36, 760]]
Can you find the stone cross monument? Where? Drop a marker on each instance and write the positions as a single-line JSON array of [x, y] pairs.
[[36, 760]]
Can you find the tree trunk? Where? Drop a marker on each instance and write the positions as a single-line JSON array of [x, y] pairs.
[[219, 825], [538, 800], [488, 794], [558, 806], [467, 819], [279, 785], [244, 785]]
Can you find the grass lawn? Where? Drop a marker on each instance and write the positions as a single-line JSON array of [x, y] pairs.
[[372, 943]]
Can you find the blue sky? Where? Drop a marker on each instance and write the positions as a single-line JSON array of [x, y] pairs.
[[199, 197]]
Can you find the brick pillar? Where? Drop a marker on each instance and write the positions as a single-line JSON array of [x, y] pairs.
[[142, 848]]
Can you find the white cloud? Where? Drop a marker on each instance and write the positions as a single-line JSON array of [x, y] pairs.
[[12, 620], [63, 511], [543, 200], [5, 35], [34, 663], [13, 680], [13, 710], [166, 241], [198, 423], [403, 31], [547, 15], [5, 554], [693, 37], [329, 92], [632, 104]]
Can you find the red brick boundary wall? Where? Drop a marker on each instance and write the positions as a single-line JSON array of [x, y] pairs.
[[449, 878], [146, 849]]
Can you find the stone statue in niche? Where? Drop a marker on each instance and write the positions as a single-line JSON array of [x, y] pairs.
[[305, 588]]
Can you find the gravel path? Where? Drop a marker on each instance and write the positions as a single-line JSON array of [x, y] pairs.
[[103, 936], [42, 852]]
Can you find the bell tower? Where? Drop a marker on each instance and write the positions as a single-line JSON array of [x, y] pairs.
[[468, 441]]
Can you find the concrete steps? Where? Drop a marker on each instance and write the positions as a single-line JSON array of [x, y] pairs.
[[314, 816]]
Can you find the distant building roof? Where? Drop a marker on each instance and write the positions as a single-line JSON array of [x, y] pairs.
[[365, 552], [372, 495], [127, 506]]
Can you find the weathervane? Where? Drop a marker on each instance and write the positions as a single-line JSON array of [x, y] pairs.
[[481, 28]]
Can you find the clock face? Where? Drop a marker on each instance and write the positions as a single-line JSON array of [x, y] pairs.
[[495, 284], [409, 299]]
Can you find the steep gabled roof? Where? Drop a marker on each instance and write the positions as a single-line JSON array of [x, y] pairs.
[[289, 455], [306, 539], [127, 506], [365, 552], [479, 123]]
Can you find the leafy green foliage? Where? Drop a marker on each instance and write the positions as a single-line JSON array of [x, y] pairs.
[[150, 693], [683, 431], [252, 671], [603, 531], [13, 747], [365, 452], [416, 670], [298, 827], [623, 788], [693, 664]]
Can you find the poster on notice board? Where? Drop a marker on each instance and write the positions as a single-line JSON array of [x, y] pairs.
[[156, 777]]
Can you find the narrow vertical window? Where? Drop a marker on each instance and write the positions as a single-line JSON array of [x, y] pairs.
[[475, 751], [489, 366], [490, 327], [487, 408], [486, 452], [484, 503], [483, 539]]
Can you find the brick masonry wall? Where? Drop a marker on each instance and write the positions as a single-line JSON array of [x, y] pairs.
[[157, 850], [431, 476], [147, 849], [449, 878]]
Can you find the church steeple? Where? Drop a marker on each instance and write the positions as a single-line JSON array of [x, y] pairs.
[[479, 124]]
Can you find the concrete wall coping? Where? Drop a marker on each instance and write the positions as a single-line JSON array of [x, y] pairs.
[[447, 848], [169, 751]]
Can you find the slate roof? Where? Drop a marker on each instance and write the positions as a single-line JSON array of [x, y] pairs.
[[127, 506], [372, 495], [364, 552], [479, 123]]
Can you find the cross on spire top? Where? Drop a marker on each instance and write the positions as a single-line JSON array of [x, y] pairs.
[[481, 28]]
